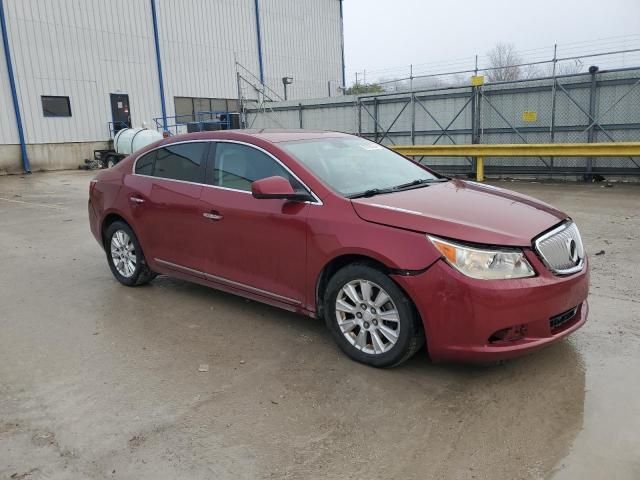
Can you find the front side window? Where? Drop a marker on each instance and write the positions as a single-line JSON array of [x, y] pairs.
[[353, 166], [237, 166]]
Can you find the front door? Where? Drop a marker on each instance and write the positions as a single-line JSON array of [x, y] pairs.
[[251, 244], [120, 113]]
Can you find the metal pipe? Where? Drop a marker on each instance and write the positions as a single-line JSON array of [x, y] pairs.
[[474, 126], [359, 117], [554, 90], [413, 107], [375, 119], [14, 96], [259, 36], [240, 100], [154, 16], [480, 169], [607, 149], [344, 78], [591, 132]]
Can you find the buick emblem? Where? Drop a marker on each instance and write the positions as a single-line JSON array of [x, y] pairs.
[[572, 248]]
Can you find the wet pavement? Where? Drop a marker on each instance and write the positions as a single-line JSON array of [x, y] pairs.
[[101, 381]]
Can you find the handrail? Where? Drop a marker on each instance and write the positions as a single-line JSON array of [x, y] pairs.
[[612, 149], [117, 124], [197, 117]]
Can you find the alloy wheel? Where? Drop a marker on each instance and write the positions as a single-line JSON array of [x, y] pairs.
[[123, 253], [367, 317]]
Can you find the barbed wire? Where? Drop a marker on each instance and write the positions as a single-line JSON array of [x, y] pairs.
[[613, 52]]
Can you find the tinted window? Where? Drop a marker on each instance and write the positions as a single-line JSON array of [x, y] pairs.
[[144, 165], [237, 166], [180, 162], [56, 106]]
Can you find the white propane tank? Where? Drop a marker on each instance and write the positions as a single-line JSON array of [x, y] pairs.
[[128, 140]]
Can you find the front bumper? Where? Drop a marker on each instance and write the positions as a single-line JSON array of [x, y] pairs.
[[473, 320]]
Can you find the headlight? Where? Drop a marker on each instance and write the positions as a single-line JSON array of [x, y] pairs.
[[484, 264]]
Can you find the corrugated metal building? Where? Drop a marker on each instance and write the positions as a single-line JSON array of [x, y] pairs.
[[79, 64]]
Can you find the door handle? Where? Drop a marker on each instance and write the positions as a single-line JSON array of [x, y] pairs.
[[215, 216], [136, 199]]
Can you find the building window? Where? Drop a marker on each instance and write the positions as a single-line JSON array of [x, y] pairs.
[[54, 106], [190, 109]]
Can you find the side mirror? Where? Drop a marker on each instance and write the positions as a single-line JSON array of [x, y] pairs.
[[277, 187]]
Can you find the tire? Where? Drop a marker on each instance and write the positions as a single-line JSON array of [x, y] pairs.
[[367, 335], [125, 247]]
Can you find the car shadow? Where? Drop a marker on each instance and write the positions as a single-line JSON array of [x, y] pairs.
[[482, 418]]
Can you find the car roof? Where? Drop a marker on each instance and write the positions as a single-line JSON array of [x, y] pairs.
[[283, 135], [265, 134]]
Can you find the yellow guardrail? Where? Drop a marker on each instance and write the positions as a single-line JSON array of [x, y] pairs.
[[617, 149]]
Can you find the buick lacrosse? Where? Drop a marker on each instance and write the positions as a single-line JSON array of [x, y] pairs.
[[390, 254]]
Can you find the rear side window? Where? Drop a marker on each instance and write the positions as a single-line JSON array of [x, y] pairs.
[[144, 165], [237, 166], [183, 161]]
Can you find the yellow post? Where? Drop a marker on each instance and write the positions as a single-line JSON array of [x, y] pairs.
[[480, 169]]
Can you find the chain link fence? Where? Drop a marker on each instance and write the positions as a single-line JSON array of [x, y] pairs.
[[597, 106]]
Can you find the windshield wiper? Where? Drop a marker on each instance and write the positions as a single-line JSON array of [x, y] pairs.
[[371, 192], [413, 184], [418, 182]]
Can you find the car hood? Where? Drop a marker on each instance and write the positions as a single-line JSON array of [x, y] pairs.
[[463, 210]]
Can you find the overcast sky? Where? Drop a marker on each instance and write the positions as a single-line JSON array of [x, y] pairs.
[[380, 34]]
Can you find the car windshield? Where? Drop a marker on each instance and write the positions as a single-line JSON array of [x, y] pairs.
[[357, 167]]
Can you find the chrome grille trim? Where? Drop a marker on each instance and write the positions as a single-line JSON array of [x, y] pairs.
[[554, 248]]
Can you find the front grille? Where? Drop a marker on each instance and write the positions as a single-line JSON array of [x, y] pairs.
[[561, 249], [559, 320]]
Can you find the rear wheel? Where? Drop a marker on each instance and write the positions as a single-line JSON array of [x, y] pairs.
[[370, 317], [125, 257]]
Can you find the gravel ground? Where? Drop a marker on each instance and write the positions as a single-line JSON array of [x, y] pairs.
[[101, 381]]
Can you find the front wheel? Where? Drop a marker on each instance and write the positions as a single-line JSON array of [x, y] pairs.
[[125, 257], [371, 318]]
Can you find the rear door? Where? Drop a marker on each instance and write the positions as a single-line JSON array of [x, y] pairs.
[[166, 204], [255, 245], [120, 112]]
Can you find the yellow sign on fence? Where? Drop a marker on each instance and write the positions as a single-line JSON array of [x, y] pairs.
[[477, 80], [529, 116]]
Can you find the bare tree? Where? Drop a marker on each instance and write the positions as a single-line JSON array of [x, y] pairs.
[[570, 67], [503, 63]]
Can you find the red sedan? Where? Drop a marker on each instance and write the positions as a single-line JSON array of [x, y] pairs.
[[389, 253]]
